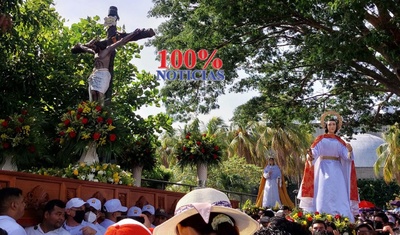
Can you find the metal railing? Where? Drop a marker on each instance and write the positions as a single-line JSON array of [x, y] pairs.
[[161, 184]]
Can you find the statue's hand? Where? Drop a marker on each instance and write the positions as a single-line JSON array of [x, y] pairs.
[[349, 148]]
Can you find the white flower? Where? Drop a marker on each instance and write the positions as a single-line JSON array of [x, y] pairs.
[[90, 177], [100, 172], [93, 170], [110, 180], [95, 180], [120, 182], [83, 177]]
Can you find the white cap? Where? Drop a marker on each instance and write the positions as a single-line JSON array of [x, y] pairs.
[[114, 205], [149, 208], [95, 203], [75, 202], [134, 211]]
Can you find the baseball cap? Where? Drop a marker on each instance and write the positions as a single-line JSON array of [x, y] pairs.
[[134, 211], [161, 212], [148, 208], [95, 203], [75, 202], [114, 205]]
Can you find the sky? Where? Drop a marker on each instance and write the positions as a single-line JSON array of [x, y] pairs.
[[134, 14]]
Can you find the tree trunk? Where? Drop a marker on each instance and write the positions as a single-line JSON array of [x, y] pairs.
[[201, 174], [89, 155], [137, 175], [7, 164]]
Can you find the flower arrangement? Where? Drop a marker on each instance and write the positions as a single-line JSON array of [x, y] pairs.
[[140, 151], [96, 172], [88, 123], [18, 134], [198, 148], [342, 223]]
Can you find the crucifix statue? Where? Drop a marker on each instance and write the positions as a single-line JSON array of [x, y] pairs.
[[100, 81]]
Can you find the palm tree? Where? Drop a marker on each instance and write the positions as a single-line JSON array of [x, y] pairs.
[[241, 142], [388, 155], [286, 143]]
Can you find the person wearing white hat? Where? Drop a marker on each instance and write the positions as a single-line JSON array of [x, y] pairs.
[[112, 209], [93, 213], [74, 223], [207, 211], [149, 211]]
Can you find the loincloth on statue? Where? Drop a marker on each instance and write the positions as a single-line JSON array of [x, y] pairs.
[[99, 80]]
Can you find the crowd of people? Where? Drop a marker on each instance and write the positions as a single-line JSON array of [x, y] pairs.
[[203, 211]]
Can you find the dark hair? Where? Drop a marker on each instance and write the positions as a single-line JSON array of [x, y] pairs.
[[331, 224], [49, 207], [6, 195], [326, 125], [280, 225], [384, 217], [318, 221], [198, 224], [3, 232]]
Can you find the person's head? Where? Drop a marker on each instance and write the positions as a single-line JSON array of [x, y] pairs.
[[380, 219], [149, 211], [264, 221], [331, 126], [127, 227], [75, 210], [285, 209], [318, 226], [280, 225], [207, 211], [12, 202], [271, 161], [93, 210], [113, 209], [54, 214], [330, 227], [364, 229], [3, 232], [160, 216]]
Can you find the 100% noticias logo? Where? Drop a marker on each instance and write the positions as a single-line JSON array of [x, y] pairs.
[[188, 59]]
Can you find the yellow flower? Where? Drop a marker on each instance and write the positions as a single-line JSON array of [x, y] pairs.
[[116, 180], [102, 141], [304, 222], [318, 216], [45, 173], [329, 218], [105, 166], [295, 216], [82, 164], [308, 216], [26, 129], [115, 175], [85, 136], [98, 167], [72, 112], [86, 109], [70, 129], [76, 172], [4, 136], [110, 128]]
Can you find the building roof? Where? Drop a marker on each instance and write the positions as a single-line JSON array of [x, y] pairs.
[[364, 149]]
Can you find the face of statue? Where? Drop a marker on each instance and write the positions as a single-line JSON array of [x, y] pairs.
[[331, 127]]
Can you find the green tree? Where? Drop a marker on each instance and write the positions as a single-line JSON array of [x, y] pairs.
[[388, 155], [286, 47]]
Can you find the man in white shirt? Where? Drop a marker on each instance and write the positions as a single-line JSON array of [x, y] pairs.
[[113, 210], [74, 223], [53, 219], [12, 208], [93, 213]]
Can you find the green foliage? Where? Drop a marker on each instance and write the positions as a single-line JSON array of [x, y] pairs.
[[388, 155], [233, 174], [377, 191], [303, 57], [157, 173]]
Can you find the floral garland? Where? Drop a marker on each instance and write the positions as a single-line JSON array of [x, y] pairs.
[[342, 223], [193, 149], [87, 123], [95, 172]]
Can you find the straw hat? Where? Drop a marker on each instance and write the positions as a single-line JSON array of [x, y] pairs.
[[204, 201]]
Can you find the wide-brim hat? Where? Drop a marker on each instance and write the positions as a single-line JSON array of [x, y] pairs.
[[204, 201]]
